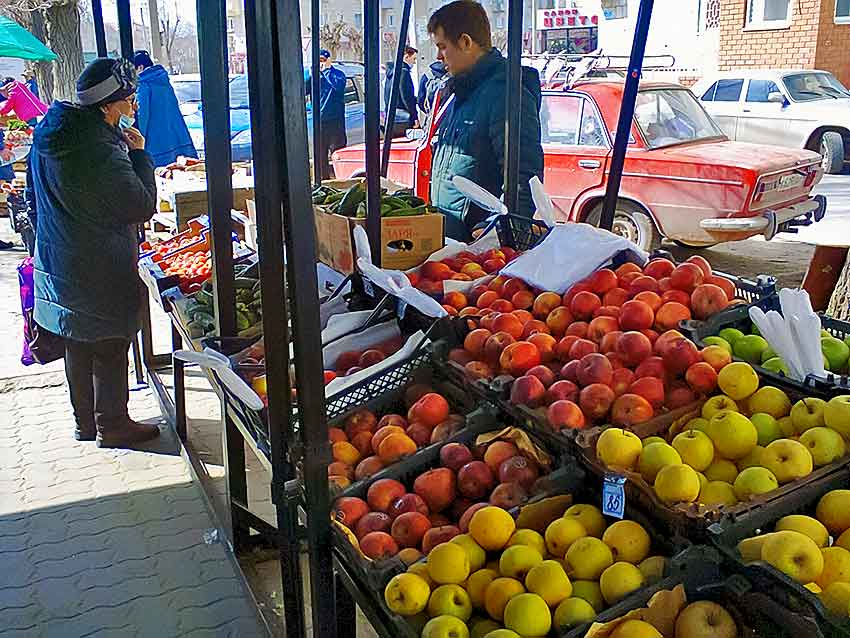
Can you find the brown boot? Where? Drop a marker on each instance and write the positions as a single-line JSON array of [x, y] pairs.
[[85, 432], [127, 435]]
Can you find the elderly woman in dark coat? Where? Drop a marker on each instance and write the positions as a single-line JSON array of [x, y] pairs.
[[92, 183]]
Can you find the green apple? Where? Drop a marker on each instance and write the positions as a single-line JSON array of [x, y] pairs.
[[730, 335], [767, 427], [825, 444], [749, 348], [718, 341], [776, 365], [836, 415], [754, 329], [836, 352], [809, 413], [825, 333], [768, 354]]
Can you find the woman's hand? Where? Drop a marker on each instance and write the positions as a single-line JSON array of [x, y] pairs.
[[135, 140]]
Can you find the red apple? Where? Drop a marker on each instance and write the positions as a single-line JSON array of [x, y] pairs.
[[519, 469], [595, 368], [707, 300], [566, 414], [686, 277], [420, 433], [633, 347], [651, 389], [408, 503], [349, 509], [621, 379], [383, 492], [437, 535], [463, 523], [437, 487], [562, 391], [378, 545], [528, 390], [455, 455], [678, 396], [545, 374], [570, 371], [702, 378], [432, 409], [368, 467], [680, 355], [595, 401], [636, 315], [409, 528], [475, 480], [497, 452], [630, 409], [508, 495], [372, 522]]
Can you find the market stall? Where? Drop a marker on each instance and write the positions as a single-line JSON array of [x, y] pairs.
[[544, 432]]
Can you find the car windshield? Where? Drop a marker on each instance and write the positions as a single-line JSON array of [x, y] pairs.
[[805, 87], [672, 116], [187, 91], [239, 92]]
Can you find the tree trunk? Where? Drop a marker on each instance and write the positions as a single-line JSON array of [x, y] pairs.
[[33, 21], [839, 304], [63, 35]]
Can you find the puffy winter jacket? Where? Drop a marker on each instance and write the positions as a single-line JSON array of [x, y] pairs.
[[159, 118], [471, 142]]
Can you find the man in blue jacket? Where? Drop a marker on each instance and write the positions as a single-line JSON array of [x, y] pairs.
[[331, 110], [471, 133], [159, 118], [406, 115]]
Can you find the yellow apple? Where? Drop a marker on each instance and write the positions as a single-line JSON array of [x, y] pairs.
[[836, 415], [695, 449], [786, 426], [450, 600], [528, 615], [753, 459], [705, 619], [406, 594], [549, 581], [655, 456], [587, 558], [492, 528], [497, 595], [808, 413], [824, 444], [836, 567], [589, 516], [652, 439], [628, 541], [636, 629], [795, 555], [448, 563], [720, 403], [750, 548], [445, 627], [589, 591], [721, 470], [573, 611], [734, 435], [653, 569], [807, 525], [618, 448], [767, 427], [754, 481], [770, 400], [718, 493], [677, 484], [561, 533], [481, 627], [476, 586], [477, 556], [620, 580], [833, 511], [698, 423], [788, 460], [518, 560], [502, 633], [836, 598], [738, 380], [529, 537]]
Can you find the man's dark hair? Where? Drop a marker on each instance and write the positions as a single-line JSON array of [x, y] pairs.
[[462, 16], [410, 51]]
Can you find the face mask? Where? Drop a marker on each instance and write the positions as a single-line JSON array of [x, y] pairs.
[[125, 122]]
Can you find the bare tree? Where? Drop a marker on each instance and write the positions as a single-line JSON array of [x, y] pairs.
[[172, 27], [342, 39], [61, 33]]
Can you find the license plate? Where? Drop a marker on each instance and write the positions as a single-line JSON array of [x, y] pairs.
[[789, 181]]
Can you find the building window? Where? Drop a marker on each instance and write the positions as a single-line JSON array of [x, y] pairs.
[[842, 11], [358, 20], [390, 19], [500, 22], [615, 9], [711, 19], [768, 13]]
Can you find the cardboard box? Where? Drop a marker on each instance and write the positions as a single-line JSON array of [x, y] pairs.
[[191, 204], [405, 241]]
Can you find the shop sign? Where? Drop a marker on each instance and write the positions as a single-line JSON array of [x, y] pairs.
[[564, 19]]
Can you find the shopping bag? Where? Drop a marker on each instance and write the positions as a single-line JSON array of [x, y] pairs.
[[40, 345]]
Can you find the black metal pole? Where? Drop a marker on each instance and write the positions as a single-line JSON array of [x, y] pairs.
[[125, 29], [394, 94], [372, 60], [99, 30], [627, 112], [513, 96], [302, 284], [315, 91], [267, 137]]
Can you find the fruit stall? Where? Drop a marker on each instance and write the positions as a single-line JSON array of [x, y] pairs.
[[545, 432]]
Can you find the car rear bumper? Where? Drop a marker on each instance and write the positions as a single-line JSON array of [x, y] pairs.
[[772, 221]]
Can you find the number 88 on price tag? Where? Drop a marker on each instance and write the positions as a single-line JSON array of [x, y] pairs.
[[614, 496]]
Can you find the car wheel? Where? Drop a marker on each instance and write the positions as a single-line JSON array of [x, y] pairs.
[[685, 244], [630, 222], [831, 147]]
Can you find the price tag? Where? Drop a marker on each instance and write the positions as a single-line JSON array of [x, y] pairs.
[[367, 288], [402, 308], [614, 496]]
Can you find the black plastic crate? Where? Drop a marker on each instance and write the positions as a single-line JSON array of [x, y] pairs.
[[738, 317], [518, 232]]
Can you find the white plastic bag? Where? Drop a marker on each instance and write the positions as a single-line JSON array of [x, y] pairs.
[[343, 323]]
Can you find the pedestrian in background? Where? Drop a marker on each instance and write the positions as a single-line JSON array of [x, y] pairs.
[[31, 84], [405, 113], [20, 99], [159, 119], [429, 84], [91, 184], [331, 110]]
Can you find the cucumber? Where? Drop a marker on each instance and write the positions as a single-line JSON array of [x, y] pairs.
[[350, 200]]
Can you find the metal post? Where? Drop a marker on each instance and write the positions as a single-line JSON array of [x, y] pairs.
[[300, 252], [394, 94], [372, 59], [267, 137], [315, 92], [125, 29], [627, 111], [513, 104], [99, 31], [156, 36]]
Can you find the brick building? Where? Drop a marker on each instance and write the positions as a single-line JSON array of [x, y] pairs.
[[809, 34]]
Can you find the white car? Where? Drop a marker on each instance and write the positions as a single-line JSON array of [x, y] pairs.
[[800, 108]]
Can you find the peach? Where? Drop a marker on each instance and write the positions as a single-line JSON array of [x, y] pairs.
[[347, 360], [518, 358], [570, 371], [630, 409], [609, 342], [456, 299], [360, 421], [338, 468], [616, 361], [437, 535], [455, 455], [368, 467], [636, 315], [349, 509], [450, 310], [566, 414], [621, 379], [650, 334], [519, 469], [562, 350], [497, 283], [460, 356], [727, 286], [338, 483], [372, 522], [562, 391], [493, 253], [478, 370], [679, 395], [628, 267], [680, 355], [581, 348], [584, 304], [559, 320], [607, 311], [572, 292], [545, 345], [717, 357], [650, 298], [495, 345], [437, 487], [475, 480], [633, 347], [476, 292], [345, 452], [502, 305], [473, 270], [351, 371], [363, 442], [545, 303], [701, 263], [702, 378], [497, 452], [409, 528], [512, 287], [544, 373], [523, 299], [602, 326], [594, 368], [660, 345], [508, 495], [469, 311], [431, 409], [487, 320], [523, 315], [383, 492], [335, 435], [643, 284], [432, 288], [686, 277], [678, 296], [463, 522], [615, 297], [493, 265], [474, 342], [508, 323], [602, 281], [392, 419], [435, 270], [509, 253], [420, 433], [378, 545], [383, 433], [651, 367], [444, 430], [595, 401], [659, 268], [708, 299], [626, 280], [460, 277], [651, 389], [408, 503], [371, 357], [670, 314], [414, 278], [664, 285], [528, 390], [486, 299], [578, 329], [534, 326]]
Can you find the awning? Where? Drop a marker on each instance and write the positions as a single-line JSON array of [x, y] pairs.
[[17, 42]]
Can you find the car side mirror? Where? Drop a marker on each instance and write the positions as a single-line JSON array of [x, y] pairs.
[[414, 133], [776, 97]]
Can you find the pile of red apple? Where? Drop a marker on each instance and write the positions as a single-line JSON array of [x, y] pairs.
[[464, 266], [367, 443], [607, 350], [352, 361], [442, 500]]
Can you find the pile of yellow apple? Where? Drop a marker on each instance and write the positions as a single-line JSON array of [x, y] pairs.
[[501, 582], [747, 441], [800, 547], [702, 619]]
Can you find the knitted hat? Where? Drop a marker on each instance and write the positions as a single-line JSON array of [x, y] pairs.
[[142, 59], [106, 80]]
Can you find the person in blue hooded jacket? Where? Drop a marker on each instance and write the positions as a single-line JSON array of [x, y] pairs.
[[471, 132], [159, 118], [331, 109], [90, 183]]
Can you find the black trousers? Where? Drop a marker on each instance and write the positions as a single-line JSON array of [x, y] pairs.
[[97, 378], [333, 138]]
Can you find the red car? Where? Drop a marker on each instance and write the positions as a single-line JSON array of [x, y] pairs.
[[683, 179]]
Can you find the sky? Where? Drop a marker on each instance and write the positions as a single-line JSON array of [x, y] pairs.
[[185, 8]]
